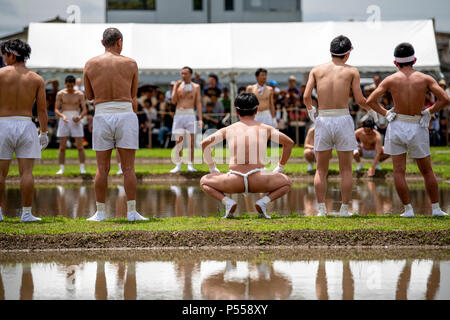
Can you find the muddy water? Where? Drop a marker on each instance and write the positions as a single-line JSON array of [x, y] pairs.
[[189, 200], [324, 274]]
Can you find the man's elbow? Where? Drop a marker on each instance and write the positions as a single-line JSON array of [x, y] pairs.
[[367, 102], [289, 143], [447, 100]]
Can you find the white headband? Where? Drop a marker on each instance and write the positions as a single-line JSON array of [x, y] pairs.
[[12, 51], [405, 59], [341, 54]]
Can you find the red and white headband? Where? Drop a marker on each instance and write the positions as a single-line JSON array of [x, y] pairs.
[[405, 59]]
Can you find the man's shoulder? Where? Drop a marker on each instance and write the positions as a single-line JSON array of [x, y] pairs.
[[61, 92], [36, 77], [129, 60]]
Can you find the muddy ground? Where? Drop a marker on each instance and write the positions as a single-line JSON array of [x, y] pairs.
[[196, 239]]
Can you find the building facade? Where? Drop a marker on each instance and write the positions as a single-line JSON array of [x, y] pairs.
[[203, 11]]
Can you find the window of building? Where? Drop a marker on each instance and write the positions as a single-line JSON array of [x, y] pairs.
[[131, 4], [272, 5], [229, 5], [198, 5]]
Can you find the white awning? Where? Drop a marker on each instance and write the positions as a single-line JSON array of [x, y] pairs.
[[234, 47]]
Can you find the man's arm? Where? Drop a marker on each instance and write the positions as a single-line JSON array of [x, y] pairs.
[[211, 141], [440, 94], [198, 102], [134, 86], [285, 141], [307, 95], [87, 84], [357, 93], [174, 92], [58, 105], [373, 99], [378, 150], [309, 140], [271, 104], [83, 106], [42, 106]]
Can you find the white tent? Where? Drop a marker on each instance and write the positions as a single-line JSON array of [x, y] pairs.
[[234, 47]]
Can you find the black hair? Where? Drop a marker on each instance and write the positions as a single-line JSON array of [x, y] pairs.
[[246, 104], [340, 45], [111, 36], [404, 50], [212, 75], [190, 69], [241, 89], [210, 104], [19, 48], [70, 79], [259, 70], [368, 123]]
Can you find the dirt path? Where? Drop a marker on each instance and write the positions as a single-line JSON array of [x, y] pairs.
[[145, 239]]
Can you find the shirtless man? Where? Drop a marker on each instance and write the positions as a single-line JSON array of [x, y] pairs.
[[266, 108], [111, 80], [186, 95], [308, 152], [69, 125], [247, 141], [408, 132], [369, 147], [19, 88], [334, 125]]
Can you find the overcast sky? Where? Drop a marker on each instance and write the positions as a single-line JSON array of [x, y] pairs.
[[15, 14]]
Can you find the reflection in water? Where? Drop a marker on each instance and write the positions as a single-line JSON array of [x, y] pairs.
[[246, 281], [176, 201], [230, 279]]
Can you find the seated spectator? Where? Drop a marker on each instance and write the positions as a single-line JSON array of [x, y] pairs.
[[281, 115], [166, 113], [217, 105], [210, 120], [225, 100], [198, 80], [292, 90], [168, 94], [212, 88]]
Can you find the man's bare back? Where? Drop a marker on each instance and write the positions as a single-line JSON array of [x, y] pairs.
[[111, 77], [19, 88], [368, 140], [333, 83], [247, 143], [408, 89]]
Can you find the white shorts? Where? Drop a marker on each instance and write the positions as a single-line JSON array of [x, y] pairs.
[[334, 129], [116, 127], [368, 154], [71, 128], [184, 120], [266, 118], [405, 134], [18, 135]]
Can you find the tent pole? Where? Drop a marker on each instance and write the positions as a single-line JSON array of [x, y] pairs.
[[233, 95]]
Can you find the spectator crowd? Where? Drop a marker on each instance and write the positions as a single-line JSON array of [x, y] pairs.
[[156, 111]]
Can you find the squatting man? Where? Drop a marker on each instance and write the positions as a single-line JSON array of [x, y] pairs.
[[247, 144]]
